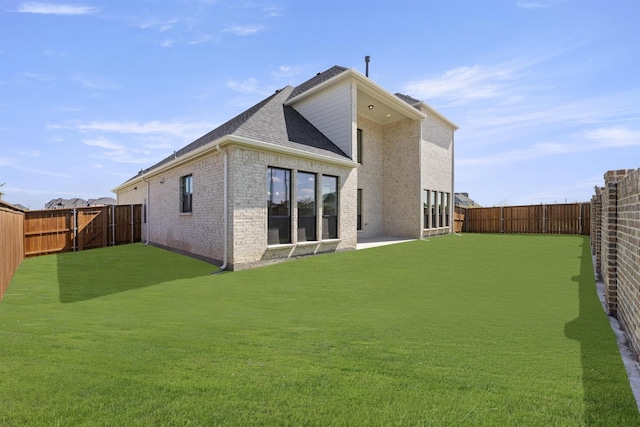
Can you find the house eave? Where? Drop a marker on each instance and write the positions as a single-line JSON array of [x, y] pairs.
[[366, 85], [438, 115], [229, 140]]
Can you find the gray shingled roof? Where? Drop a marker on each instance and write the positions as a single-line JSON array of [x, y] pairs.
[[317, 79], [408, 99], [273, 122]]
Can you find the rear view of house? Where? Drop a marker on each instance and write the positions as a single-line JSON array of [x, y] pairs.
[[310, 169]]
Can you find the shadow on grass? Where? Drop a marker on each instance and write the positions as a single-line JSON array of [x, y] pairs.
[[607, 393], [99, 272]]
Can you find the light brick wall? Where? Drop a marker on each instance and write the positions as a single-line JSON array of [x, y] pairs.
[[402, 192], [371, 177], [436, 156], [617, 206], [201, 231], [248, 207]]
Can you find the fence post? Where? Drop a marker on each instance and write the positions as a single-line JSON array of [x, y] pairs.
[[501, 219], [544, 218], [74, 227]]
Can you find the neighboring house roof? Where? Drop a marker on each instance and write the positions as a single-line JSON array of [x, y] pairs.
[[462, 199], [60, 203], [102, 201]]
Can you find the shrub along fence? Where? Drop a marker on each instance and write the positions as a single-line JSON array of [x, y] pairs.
[[32, 233], [615, 243], [572, 218]]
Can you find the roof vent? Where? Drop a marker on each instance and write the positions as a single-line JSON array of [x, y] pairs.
[[366, 61]]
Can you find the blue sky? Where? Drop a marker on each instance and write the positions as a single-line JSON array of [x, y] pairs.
[[546, 93]]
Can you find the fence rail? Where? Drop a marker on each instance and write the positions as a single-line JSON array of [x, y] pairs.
[[572, 218], [77, 229]]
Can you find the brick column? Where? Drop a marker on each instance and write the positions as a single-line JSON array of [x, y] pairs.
[[609, 239]]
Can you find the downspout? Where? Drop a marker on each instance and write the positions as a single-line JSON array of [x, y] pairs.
[[225, 207], [148, 210], [420, 180]]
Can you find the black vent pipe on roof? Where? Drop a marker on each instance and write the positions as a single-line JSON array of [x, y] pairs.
[[366, 61]]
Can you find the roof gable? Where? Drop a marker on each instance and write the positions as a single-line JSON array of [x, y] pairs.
[[268, 121], [317, 79]]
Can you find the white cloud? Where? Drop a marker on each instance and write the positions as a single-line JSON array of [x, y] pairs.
[[102, 143], [529, 4], [9, 163], [287, 71], [32, 153], [616, 136], [167, 43], [464, 84], [597, 139], [29, 77], [248, 86], [244, 30], [55, 9], [157, 24], [95, 83]]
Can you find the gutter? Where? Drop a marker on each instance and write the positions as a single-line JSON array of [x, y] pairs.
[[242, 141]]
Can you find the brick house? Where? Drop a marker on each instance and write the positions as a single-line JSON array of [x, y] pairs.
[[310, 169]]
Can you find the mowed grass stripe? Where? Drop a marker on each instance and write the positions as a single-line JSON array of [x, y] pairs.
[[455, 330]]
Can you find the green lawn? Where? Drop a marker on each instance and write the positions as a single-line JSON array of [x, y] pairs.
[[457, 330]]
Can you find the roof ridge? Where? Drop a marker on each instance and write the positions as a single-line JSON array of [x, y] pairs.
[[317, 79], [226, 128]]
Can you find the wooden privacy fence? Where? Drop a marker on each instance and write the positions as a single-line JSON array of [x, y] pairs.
[[572, 218], [77, 229], [11, 243]]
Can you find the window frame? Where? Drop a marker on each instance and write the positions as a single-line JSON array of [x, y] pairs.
[[186, 194], [278, 224], [359, 139], [330, 222], [307, 224], [359, 209]]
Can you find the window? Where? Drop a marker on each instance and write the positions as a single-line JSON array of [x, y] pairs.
[[278, 206], [186, 194], [433, 205], [306, 190], [359, 146], [426, 206], [329, 207], [440, 208], [359, 208], [446, 209]]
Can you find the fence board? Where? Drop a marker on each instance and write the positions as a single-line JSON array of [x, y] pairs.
[[11, 243], [574, 218], [64, 230]]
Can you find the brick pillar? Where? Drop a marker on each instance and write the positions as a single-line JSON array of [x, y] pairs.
[[609, 239]]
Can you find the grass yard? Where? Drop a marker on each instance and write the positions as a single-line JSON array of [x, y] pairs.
[[452, 331]]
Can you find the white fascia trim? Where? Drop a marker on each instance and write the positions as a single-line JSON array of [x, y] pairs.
[[237, 140], [265, 146], [367, 85], [438, 115]]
